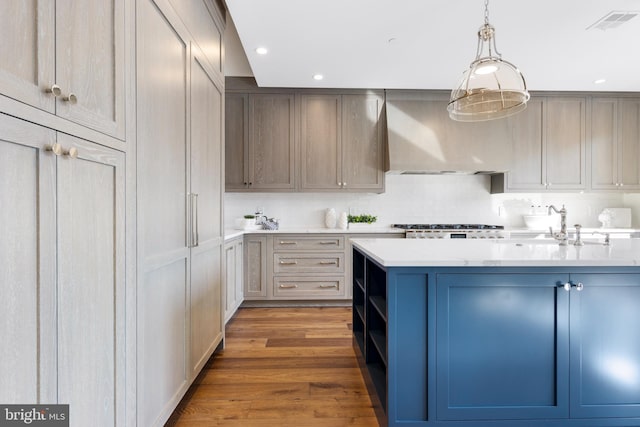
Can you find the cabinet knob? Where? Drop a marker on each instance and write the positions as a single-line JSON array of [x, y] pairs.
[[567, 286], [579, 286], [71, 98], [621, 184], [71, 152], [54, 148], [344, 184], [55, 90]]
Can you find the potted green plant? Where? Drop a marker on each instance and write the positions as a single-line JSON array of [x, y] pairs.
[[362, 221], [247, 222]]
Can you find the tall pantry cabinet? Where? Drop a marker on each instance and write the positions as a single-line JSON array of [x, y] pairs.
[[64, 322], [180, 94]]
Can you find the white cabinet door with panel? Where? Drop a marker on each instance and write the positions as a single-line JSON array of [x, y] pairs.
[[163, 251], [28, 266], [179, 187], [233, 251], [206, 219], [66, 58], [63, 275], [91, 282]]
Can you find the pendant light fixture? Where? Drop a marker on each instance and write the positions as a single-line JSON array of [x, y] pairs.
[[491, 88]]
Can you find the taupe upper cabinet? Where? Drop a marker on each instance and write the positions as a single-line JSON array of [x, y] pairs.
[[321, 142], [303, 140], [548, 147], [66, 58], [362, 142], [236, 141], [260, 142], [341, 144], [615, 144], [565, 143], [527, 154]]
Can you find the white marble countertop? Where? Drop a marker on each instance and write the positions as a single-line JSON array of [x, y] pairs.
[[232, 233], [499, 253]]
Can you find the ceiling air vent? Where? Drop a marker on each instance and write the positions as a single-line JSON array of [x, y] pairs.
[[612, 20]]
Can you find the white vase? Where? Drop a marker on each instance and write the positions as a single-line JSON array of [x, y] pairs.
[[343, 221], [330, 218]]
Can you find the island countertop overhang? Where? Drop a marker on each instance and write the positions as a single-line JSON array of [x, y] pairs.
[[498, 253]]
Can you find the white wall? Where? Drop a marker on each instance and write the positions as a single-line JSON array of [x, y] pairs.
[[427, 199]]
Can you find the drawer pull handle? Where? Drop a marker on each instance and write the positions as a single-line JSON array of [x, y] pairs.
[[328, 286], [282, 242], [288, 262], [288, 286], [333, 242], [328, 262]]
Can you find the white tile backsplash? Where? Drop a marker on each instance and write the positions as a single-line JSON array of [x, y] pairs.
[[427, 199]]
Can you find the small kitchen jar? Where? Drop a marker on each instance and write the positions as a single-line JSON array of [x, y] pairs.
[[343, 221], [330, 218]]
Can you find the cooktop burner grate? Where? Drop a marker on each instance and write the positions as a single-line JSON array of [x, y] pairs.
[[448, 227]]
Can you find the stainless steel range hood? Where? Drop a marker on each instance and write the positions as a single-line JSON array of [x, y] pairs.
[[422, 139]]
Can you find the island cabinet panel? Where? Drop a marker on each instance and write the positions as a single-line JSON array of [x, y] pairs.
[[605, 346], [495, 333], [407, 370]]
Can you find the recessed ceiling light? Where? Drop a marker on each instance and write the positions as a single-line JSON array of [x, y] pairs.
[[318, 77], [262, 51], [599, 81]]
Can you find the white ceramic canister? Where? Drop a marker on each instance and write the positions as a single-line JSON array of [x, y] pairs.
[[330, 218], [343, 221]]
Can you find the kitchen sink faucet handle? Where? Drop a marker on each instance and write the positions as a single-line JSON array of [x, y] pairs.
[[578, 241]]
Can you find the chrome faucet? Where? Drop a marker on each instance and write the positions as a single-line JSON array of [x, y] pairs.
[[562, 235]]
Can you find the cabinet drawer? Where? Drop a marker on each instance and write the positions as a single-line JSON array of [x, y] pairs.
[[308, 263], [300, 287], [308, 243]]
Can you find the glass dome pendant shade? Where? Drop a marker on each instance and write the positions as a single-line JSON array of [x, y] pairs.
[[491, 88]]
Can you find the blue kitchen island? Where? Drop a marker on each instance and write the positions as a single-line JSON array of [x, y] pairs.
[[499, 333]]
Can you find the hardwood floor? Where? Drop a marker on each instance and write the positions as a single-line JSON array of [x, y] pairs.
[[281, 367]]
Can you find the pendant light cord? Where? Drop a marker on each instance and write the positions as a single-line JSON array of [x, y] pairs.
[[486, 12]]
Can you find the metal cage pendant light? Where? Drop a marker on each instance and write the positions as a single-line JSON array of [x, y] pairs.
[[491, 88]]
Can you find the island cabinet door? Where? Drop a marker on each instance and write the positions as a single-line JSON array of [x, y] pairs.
[[502, 346], [605, 346]]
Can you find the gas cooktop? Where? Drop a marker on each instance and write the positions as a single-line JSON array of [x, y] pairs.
[[448, 227]]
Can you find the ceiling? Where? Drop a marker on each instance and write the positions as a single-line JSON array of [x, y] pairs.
[[427, 44]]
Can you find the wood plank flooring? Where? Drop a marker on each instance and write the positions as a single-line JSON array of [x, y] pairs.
[[281, 367]]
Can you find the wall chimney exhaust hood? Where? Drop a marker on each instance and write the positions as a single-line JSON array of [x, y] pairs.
[[423, 140]]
